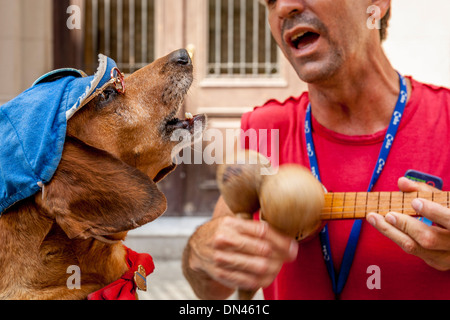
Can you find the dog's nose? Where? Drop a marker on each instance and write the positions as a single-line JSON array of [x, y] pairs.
[[180, 57]]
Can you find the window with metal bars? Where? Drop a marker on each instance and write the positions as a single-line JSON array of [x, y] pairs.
[[240, 42], [121, 29]]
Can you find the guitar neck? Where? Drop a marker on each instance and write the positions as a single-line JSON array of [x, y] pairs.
[[356, 205]]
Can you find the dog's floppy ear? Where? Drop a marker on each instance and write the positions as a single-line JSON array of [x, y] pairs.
[[92, 193]]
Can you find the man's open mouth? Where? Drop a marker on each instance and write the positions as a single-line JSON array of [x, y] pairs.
[[303, 39]]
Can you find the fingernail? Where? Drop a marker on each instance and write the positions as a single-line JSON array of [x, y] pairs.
[[417, 205], [391, 219], [372, 221]]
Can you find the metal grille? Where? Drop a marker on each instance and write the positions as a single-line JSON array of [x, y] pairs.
[[240, 42], [121, 29]]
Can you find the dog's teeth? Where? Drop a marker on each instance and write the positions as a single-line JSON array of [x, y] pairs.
[[189, 116]]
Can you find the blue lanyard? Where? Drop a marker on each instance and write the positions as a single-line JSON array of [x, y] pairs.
[[339, 283]]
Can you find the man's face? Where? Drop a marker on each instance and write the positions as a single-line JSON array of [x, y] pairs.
[[319, 37]]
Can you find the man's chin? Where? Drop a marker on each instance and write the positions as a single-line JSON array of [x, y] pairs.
[[312, 76], [318, 67], [316, 72]]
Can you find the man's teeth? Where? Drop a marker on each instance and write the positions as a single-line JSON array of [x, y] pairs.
[[298, 36]]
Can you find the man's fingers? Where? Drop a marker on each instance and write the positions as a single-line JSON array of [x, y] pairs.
[[285, 246], [436, 212], [408, 185], [255, 238], [234, 241], [430, 238], [249, 271], [393, 227], [400, 238], [249, 254]]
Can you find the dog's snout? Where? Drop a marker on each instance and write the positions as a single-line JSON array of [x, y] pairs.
[[180, 57]]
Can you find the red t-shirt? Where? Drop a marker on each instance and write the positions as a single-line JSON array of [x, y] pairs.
[[346, 164]]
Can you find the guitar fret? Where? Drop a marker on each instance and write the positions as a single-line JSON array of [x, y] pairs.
[[378, 203], [338, 205], [361, 205], [397, 202], [372, 202], [349, 206], [407, 198], [441, 198], [403, 202], [390, 202], [384, 203], [328, 204]]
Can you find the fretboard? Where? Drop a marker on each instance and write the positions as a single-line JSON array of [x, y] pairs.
[[356, 205]]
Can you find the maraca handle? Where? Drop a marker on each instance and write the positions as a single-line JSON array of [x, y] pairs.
[[246, 294], [245, 216]]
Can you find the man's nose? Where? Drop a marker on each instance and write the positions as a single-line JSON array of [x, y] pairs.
[[287, 8]]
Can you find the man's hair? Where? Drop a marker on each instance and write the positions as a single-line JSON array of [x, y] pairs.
[[384, 23]]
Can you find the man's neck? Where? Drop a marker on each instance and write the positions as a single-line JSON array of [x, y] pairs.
[[357, 101]]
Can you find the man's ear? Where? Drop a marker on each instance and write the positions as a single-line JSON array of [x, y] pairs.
[[93, 193], [384, 6]]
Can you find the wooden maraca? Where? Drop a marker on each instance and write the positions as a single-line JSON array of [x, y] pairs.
[[290, 200], [239, 180]]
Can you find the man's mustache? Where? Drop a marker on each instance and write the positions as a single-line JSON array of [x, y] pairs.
[[306, 19]]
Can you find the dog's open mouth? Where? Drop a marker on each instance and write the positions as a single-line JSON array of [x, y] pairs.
[[194, 125], [164, 172], [190, 123]]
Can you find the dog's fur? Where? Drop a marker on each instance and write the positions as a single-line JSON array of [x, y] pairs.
[[117, 148]]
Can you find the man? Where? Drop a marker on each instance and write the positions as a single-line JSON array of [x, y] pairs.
[[355, 106]]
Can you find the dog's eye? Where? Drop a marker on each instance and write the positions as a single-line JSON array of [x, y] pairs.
[[107, 94]]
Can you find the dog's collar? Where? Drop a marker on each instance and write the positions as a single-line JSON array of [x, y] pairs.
[[140, 265]]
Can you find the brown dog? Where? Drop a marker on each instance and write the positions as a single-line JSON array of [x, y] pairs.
[[117, 148]]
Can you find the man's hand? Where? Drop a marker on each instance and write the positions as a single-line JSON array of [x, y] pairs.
[[235, 253], [430, 243]]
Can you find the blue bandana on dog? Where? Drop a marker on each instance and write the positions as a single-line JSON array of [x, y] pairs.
[[33, 128]]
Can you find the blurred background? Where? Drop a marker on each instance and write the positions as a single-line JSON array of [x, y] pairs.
[[237, 67]]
